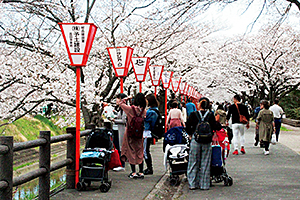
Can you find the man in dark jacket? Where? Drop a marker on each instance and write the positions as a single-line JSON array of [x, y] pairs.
[[238, 128]]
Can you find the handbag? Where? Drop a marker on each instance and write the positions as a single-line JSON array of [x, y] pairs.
[[273, 139], [216, 156], [114, 159], [243, 119]]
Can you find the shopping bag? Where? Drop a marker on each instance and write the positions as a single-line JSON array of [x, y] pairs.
[[216, 156], [273, 139], [114, 160]]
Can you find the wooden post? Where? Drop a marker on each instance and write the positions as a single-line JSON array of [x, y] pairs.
[[6, 167], [44, 162], [71, 152]]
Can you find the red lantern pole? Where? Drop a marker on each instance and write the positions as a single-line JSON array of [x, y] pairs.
[[140, 87], [121, 85], [181, 98], [77, 147], [140, 67], [155, 72], [120, 58], [166, 98], [166, 80], [78, 55]]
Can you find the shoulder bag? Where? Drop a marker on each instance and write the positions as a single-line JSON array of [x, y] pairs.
[[243, 119]]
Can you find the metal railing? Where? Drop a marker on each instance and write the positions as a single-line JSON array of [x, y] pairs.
[[7, 147]]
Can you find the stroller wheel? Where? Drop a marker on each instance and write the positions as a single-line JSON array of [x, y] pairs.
[[230, 181], [174, 180], [104, 187], [226, 181], [81, 186], [88, 183], [109, 182]]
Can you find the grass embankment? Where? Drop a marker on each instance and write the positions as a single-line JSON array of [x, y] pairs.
[[22, 165], [28, 128], [282, 128]]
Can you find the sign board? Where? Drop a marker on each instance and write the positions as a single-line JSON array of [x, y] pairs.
[[193, 92], [120, 58], [79, 39], [176, 83], [166, 78], [140, 66], [188, 90], [182, 87], [155, 73]]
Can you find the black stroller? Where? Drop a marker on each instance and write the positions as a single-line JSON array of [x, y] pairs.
[[176, 153], [94, 160]]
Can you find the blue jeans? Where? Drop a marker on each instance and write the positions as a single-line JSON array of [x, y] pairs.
[[277, 127]]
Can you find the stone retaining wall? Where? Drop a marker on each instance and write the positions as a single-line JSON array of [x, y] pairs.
[[291, 122]]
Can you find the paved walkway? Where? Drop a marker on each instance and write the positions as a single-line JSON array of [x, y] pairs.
[[255, 176], [291, 138], [122, 187]]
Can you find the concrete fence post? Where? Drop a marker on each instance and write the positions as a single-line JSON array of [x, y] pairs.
[[6, 167], [45, 159]]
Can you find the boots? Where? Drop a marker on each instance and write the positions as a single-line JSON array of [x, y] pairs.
[[149, 170]]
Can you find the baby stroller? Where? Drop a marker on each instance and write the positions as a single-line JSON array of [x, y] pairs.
[[220, 149], [176, 153], [94, 160]]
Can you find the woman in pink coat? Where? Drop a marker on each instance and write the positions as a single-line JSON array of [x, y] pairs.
[[132, 148], [175, 117]]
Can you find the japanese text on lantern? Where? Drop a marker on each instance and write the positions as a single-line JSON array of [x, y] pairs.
[[119, 58], [166, 80], [74, 36], [154, 74], [140, 62]]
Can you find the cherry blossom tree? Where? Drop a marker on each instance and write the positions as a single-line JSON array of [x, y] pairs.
[[260, 66], [36, 70], [34, 63], [268, 62]]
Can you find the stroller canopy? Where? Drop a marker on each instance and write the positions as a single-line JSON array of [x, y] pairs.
[[100, 138], [175, 136]]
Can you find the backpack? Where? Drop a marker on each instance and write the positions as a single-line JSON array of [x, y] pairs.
[[159, 128], [203, 133], [136, 127]]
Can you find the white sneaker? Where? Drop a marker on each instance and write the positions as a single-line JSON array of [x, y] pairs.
[[267, 153], [119, 169]]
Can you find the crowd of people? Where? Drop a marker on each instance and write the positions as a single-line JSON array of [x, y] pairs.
[[236, 117]]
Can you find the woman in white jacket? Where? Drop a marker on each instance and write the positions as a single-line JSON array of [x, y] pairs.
[[120, 120]]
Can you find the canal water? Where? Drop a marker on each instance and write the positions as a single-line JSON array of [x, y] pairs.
[[30, 190]]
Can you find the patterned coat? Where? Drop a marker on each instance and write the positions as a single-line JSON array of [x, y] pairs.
[[265, 118]]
